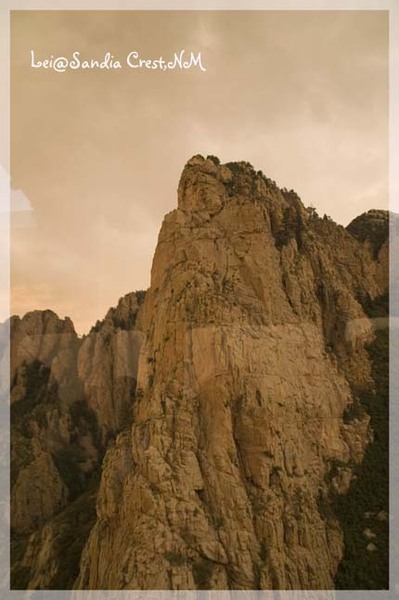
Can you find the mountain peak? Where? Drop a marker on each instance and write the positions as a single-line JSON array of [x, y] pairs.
[[372, 228], [226, 401]]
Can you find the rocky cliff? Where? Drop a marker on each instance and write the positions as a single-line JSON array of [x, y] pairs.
[[234, 393], [69, 398], [107, 364]]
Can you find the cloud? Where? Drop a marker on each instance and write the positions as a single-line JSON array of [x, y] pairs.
[[4, 190], [41, 269], [22, 212], [4, 244], [302, 95], [19, 202]]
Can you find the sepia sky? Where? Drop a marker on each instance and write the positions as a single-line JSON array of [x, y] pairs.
[[96, 155]]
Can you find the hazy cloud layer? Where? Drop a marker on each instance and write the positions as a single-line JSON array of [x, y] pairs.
[[302, 95]]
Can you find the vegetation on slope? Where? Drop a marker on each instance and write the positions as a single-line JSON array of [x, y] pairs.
[[364, 511]]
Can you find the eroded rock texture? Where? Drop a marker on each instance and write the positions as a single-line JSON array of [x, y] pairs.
[[107, 365], [69, 398], [253, 342], [217, 432]]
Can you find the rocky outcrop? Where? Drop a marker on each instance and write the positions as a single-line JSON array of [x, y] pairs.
[[41, 336], [69, 397], [44, 386], [372, 230], [107, 364], [54, 443], [216, 432], [240, 436]]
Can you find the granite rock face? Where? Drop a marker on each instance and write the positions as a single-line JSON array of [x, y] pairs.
[[372, 230], [69, 398], [200, 435], [54, 446], [41, 336], [44, 386], [107, 364], [252, 345]]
